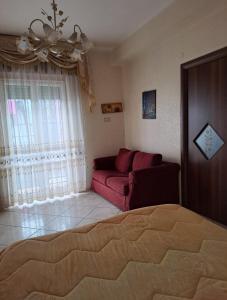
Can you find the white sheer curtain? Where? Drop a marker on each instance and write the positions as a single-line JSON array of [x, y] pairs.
[[42, 151]]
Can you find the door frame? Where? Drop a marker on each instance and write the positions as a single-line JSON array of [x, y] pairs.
[[184, 114]]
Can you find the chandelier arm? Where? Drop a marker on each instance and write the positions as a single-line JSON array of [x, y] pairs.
[[55, 18], [35, 20], [45, 13]]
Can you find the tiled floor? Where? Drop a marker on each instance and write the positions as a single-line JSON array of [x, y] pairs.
[[17, 224]]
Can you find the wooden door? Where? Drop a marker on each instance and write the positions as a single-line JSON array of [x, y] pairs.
[[204, 102]]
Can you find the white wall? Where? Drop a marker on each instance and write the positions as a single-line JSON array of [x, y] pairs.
[[103, 138], [151, 59]]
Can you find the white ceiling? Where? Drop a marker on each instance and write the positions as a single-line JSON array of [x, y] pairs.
[[106, 22]]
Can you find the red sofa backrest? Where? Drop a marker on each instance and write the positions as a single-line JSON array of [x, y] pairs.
[[143, 160], [123, 162]]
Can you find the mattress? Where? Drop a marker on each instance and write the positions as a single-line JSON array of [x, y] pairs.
[[160, 252]]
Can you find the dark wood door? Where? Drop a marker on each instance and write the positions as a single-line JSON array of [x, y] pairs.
[[204, 100]]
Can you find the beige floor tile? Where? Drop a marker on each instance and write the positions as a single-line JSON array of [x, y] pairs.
[[53, 209], [94, 201], [102, 203], [87, 195], [103, 213], [83, 203], [25, 220], [78, 212], [10, 234], [107, 204], [63, 223], [37, 221], [47, 218]]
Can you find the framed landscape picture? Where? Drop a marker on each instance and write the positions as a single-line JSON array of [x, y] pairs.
[[149, 104], [109, 108]]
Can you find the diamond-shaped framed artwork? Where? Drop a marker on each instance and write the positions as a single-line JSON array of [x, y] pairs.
[[208, 141]]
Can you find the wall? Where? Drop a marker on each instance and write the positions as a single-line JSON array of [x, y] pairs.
[[151, 59], [103, 138]]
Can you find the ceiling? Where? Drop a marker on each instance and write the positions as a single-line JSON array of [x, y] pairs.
[[106, 22]]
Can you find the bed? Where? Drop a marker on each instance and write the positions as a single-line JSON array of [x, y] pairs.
[[160, 252]]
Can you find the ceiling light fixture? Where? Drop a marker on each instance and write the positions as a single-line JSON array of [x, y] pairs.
[[53, 43]]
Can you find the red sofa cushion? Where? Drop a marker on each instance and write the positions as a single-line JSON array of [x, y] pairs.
[[102, 175], [123, 160], [118, 184], [143, 160]]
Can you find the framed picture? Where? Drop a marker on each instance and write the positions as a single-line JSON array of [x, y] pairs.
[[108, 108], [208, 141], [149, 104]]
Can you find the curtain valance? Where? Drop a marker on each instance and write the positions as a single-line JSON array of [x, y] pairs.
[[10, 55]]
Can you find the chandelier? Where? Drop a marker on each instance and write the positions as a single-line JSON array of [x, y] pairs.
[[53, 43]]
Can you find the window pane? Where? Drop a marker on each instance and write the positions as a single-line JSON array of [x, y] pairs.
[[24, 124], [20, 121], [18, 92], [49, 92]]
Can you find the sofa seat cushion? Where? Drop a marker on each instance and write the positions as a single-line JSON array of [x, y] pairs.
[[144, 160], [123, 162], [118, 184], [102, 175]]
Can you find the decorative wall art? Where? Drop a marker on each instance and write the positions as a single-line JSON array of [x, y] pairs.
[[149, 104], [208, 141], [108, 108]]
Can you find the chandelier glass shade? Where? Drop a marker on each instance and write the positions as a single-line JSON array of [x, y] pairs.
[[53, 43]]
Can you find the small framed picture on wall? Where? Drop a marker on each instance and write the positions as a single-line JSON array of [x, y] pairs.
[[108, 108], [149, 104]]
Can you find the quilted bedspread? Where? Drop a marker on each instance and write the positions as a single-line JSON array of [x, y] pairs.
[[160, 252]]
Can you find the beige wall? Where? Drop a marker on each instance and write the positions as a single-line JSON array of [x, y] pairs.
[[151, 59], [103, 138]]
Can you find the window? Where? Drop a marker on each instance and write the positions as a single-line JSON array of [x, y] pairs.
[[24, 123], [42, 154]]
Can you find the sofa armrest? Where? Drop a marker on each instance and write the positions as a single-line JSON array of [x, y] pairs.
[[105, 163], [153, 186]]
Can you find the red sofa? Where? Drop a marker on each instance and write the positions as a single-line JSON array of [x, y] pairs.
[[134, 179]]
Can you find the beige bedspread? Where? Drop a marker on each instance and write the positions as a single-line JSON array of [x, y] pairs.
[[160, 252]]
